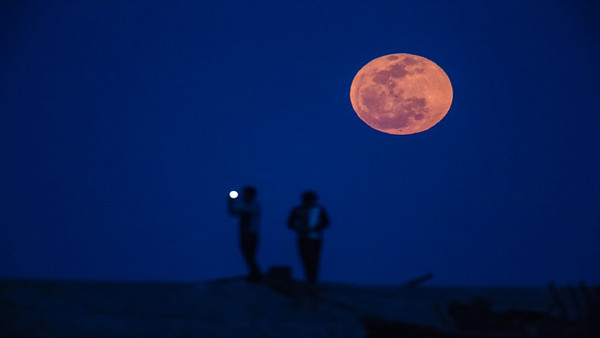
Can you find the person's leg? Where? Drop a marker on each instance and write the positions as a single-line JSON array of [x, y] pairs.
[[249, 245], [312, 258], [303, 249]]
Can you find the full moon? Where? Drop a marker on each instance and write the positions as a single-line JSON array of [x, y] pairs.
[[401, 94]]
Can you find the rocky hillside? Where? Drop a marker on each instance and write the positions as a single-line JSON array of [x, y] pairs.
[[234, 308]]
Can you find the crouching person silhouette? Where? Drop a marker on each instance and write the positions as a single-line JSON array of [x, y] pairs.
[[247, 209], [308, 220]]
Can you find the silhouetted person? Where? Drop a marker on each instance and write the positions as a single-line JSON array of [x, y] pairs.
[[247, 209], [309, 220]]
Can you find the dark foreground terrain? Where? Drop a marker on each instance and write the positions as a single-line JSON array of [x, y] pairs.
[[234, 308]]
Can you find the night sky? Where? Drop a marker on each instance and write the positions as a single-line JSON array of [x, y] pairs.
[[124, 124]]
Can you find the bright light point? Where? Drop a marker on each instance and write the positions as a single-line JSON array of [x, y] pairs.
[[233, 194]]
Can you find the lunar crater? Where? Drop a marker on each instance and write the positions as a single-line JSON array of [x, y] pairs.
[[381, 77], [398, 70]]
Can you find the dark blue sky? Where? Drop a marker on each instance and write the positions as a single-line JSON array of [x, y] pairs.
[[123, 125]]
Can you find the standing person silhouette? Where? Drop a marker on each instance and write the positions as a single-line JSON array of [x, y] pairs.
[[309, 219], [247, 209]]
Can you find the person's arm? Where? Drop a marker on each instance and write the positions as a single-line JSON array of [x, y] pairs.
[[323, 220], [231, 207]]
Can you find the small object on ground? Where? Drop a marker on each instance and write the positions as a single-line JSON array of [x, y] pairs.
[[419, 280]]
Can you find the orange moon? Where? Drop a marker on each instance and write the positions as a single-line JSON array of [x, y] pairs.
[[401, 94]]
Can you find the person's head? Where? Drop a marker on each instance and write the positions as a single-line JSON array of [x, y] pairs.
[[309, 198], [248, 193]]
